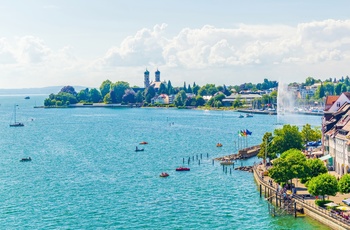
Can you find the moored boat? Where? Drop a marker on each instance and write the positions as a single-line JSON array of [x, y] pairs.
[[249, 115], [218, 145], [182, 169], [240, 116], [138, 150], [143, 143]]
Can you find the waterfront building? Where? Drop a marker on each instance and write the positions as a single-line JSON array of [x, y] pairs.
[[146, 78], [249, 98], [336, 133]]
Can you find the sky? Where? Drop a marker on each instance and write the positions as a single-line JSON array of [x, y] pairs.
[[85, 42]]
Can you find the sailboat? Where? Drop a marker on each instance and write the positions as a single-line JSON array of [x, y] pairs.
[[16, 123]]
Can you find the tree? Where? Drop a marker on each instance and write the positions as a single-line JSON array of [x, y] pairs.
[[189, 90], [83, 95], [338, 88], [291, 164], [237, 102], [105, 88], [139, 97], [195, 88], [324, 184], [315, 167], [149, 94], [309, 134], [287, 138], [343, 88], [200, 101], [162, 89], [119, 90], [68, 89], [95, 95], [180, 98], [184, 88], [265, 147], [309, 81], [129, 96], [344, 184]]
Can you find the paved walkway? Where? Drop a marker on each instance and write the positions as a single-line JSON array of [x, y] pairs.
[[302, 190]]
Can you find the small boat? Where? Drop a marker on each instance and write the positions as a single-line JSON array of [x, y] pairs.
[[164, 174], [226, 163], [249, 115], [16, 123], [25, 159], [218, 145], [143, 143], [240, 116], [27, 97], [139, 150], [182, 169]]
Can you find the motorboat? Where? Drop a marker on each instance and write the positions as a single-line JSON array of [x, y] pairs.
[[240, 116], [143, 143], [164, 174], [182, 169], [25, 159], [218, 145], [27, 97], [249, 115]]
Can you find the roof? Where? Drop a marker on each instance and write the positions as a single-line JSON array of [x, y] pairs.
[[330, 101], [347, 94]]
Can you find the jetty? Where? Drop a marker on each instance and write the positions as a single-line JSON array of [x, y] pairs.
[[242, 154]]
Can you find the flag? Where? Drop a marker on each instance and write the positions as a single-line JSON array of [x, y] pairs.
[[248, 132]]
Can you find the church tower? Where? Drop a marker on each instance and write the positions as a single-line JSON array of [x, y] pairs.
[[157, 73], [146, 79]]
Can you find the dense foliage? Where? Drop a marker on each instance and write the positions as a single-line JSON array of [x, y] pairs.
[[344, 184], [324, 184]]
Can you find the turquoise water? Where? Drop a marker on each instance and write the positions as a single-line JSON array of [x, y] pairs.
[[86, 175]]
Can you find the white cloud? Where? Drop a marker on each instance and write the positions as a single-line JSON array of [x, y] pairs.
[[317, 48]]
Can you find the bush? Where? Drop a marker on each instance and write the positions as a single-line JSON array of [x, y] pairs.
[[321, 203]]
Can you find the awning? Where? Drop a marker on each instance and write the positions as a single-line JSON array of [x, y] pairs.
[[326, 157]]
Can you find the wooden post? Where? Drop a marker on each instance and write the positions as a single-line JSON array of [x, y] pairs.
[[223, 168], [199, 162], [183, 160], [213, 162], [260, 191], [230, 171], [207, 155], [295, 209], [201, 156]]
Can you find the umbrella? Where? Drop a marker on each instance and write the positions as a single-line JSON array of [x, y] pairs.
[[331, 204], [343, 208], [347, 201]]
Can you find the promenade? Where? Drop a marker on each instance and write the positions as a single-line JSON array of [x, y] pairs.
[[304, 201]]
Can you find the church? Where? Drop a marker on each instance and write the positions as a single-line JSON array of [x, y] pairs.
[[156, 83]]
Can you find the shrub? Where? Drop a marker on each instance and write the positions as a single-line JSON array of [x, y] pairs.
[[321, 203]]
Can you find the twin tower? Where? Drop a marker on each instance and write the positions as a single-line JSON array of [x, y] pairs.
[[146, 78]]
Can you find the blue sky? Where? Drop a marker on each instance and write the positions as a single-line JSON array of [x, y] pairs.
[[48, 43]]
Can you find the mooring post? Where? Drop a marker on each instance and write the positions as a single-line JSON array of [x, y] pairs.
[[230, 171], [199, 162], [295, 209], [260, 191], [183, 160], [223, 168], [226, 170], [201, 156], [207, 155], [213, 162], [193, 158]]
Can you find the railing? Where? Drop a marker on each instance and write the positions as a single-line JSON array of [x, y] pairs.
[[301, 201]]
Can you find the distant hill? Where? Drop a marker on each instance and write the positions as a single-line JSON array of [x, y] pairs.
[[45, 90]]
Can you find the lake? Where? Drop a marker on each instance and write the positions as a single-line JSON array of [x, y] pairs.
[[85, 174]]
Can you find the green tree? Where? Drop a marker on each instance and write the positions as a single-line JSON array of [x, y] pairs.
[[329, 88], [195, 88], [237, 102], [200, 101], [149, 94], [139, 97], [105, 88], [291, 164], [162, 89], [118, 91], [189, 90], [324, 184], [107, 98], [338, 88], [265, 147], [344, 184], [83, 95], [180, 98], [287, 138], [309, 134], [129, 96], [309, 81], [95, 95], [314, 167], [343, 88]]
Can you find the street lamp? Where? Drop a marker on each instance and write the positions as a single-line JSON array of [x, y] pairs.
[[266, 144]]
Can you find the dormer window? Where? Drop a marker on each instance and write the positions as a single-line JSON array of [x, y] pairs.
[[338, 104]]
